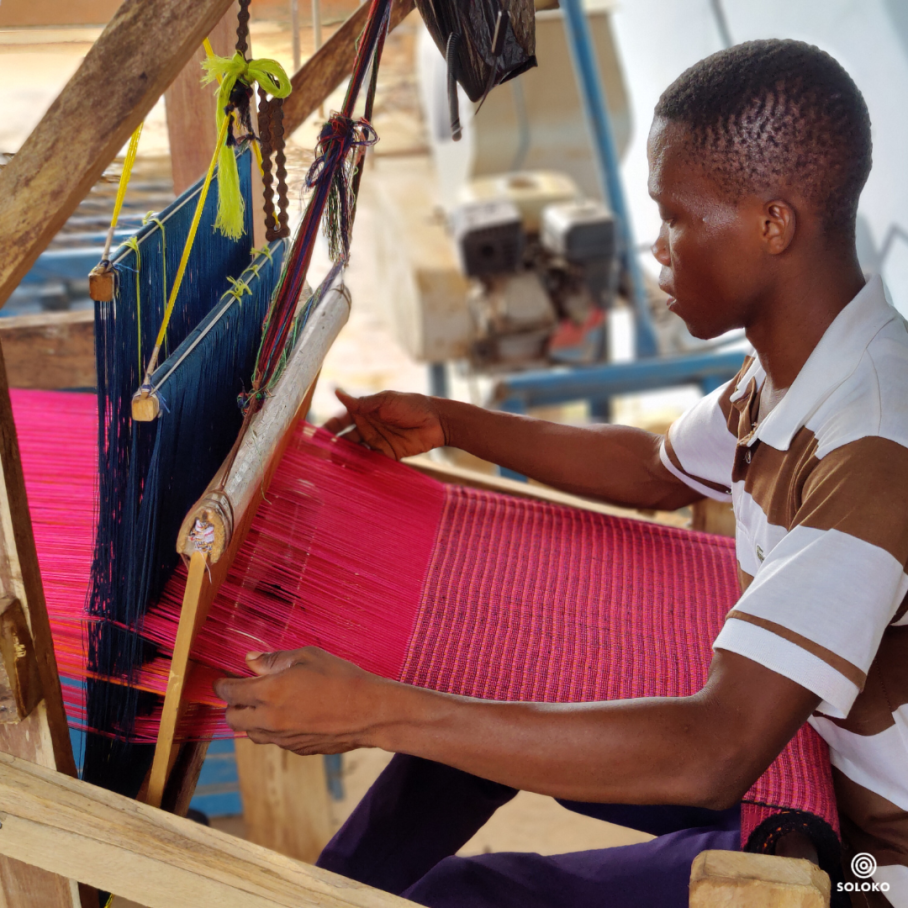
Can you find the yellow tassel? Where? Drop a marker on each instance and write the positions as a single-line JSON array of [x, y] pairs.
[[228, 70]]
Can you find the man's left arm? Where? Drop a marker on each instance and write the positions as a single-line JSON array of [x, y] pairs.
[[703, 750]]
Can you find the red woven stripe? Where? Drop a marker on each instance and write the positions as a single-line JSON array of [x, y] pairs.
[[531, 601]]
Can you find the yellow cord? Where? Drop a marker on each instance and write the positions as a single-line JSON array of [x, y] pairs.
[[190, 239], [121, 189], [133, 244], [209, 51]]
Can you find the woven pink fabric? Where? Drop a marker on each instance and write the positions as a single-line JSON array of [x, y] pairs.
[[531, 601]]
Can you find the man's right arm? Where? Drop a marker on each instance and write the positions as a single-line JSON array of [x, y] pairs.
[[616, 464]]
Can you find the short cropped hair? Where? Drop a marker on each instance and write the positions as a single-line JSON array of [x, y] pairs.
[[778, 111]]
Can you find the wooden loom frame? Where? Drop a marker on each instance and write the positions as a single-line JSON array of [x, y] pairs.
[[54, 829]]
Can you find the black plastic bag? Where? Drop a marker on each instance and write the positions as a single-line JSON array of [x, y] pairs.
[[485, 43]]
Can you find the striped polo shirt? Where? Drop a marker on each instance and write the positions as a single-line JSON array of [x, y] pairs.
[[820, 494]]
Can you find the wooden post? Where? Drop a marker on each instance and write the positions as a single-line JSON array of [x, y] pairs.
[[138, 55], [724, 878], [295, 32], [41, 736], [190, 108], [285, 799]]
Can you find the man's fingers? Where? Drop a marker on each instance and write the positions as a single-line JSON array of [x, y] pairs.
[[272, 663], [242, 718], [237, 692], [338, 423]]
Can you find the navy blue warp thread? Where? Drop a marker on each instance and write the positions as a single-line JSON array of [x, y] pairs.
[[136, 534]]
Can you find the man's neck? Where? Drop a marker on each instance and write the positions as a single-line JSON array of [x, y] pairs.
[[790, 324]]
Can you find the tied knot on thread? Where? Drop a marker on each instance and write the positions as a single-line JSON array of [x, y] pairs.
[[340, 136], [239, 288], [237, 77]]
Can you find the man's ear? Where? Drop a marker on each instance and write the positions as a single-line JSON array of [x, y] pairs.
[[778, 224]]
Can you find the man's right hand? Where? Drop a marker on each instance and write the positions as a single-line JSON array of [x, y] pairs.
[[399, 425]]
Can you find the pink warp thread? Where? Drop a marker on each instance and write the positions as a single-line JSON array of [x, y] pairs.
[[439, 586]]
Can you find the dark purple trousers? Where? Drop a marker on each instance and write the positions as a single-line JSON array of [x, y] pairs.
[[405, 832]]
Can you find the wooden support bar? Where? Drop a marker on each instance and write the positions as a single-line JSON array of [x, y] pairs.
[[52, 350], [724, 878], [330, 65], [202, 584], [229, 498], [285, 799], [74, 829], [138, 55], [191, 617]]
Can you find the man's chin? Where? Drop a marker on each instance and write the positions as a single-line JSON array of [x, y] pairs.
[[704, 332]]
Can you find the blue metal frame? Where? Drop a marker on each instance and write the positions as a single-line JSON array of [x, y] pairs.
[[598, 384], [523, 390], [589, 84]]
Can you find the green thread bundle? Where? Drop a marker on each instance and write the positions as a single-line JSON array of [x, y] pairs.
[[235, 74]]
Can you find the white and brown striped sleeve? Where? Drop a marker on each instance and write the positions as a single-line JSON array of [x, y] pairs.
[[699, 448], [822, 599]]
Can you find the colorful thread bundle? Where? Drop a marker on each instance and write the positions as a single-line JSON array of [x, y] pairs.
[[334, 186]]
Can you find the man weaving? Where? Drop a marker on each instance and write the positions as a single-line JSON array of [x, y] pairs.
[[757, 159]]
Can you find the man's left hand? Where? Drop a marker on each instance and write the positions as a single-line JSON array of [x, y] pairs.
[[304, 700]]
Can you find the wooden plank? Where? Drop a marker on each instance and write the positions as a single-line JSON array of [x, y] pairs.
[[190, 108], [154, 858], [330, 65], [138, 55], [724, 878], [285, 799], [53, 350], [192, 614]]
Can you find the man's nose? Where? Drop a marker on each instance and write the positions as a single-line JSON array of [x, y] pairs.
[[660, 249]]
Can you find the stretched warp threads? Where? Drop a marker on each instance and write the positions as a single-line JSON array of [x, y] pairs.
[[60, 485], [123, 333], [474, 593], [496, 597]]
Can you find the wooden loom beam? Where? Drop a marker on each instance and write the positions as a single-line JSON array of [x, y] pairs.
[[138, 55], [331, 64], [73, 829], [230, 504]]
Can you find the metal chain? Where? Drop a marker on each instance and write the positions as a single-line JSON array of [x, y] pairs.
[[242, 28], [271, 226], [280, 162]]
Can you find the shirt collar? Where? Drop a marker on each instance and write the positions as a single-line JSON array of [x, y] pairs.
[[831, 363]]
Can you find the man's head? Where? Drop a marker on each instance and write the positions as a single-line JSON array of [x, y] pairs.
[[750, 147]]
